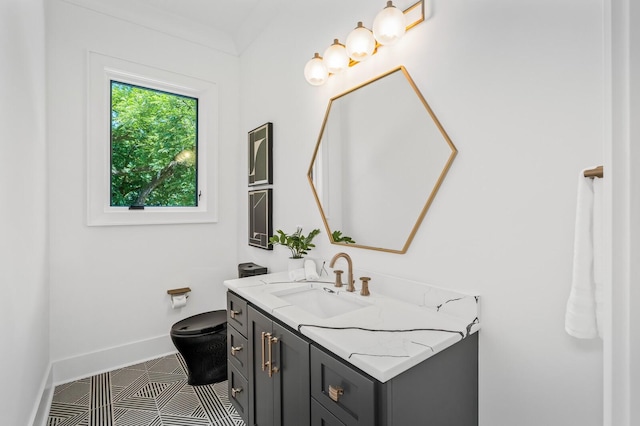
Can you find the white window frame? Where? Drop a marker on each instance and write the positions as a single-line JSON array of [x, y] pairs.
[[101, 71]]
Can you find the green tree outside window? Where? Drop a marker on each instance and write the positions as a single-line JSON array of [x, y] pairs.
[[153, 147]]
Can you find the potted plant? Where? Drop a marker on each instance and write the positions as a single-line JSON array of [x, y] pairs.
[[298, 243]]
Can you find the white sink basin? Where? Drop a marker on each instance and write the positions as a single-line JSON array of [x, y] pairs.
[[320, 301]]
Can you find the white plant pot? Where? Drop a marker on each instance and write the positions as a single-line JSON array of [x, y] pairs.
[[296, 269]]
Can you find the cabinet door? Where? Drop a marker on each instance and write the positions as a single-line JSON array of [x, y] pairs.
[[281, 398], [238, 392], [343, 391], [237, 312], [320, 416], [237, 351], [292, 393], [262, 397]]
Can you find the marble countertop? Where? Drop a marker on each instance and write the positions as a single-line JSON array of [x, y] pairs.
[[401, 323]]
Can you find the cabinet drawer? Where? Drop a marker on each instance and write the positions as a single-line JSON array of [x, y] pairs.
[[237, 350], [346, 393], [239, 392], [237, 313], [320, 416]]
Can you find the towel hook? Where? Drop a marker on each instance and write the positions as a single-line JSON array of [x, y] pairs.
[[597, 172]]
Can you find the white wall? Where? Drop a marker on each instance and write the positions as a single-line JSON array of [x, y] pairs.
[[108, 284], [622, 363], [631, 141], [23, 210], [518, 87]]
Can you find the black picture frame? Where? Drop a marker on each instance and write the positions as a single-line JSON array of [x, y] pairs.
[[260, 223], [260, 155]]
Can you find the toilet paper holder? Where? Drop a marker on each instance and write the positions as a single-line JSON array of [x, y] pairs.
[[179, 297], [178, 291]]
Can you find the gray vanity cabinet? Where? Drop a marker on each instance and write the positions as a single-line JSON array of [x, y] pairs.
[[310, 386], [278, 374]]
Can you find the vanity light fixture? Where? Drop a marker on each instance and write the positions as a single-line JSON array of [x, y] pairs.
[[316, 71], [336, 58], [388, 27], [360, 43]]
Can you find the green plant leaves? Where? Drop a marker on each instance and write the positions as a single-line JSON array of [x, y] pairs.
[[297, 242], [339, 238]]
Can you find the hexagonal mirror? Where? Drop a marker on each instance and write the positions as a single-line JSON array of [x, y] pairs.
[[380, 159]]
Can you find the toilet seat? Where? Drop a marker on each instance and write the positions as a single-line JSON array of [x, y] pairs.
[[204, 323]]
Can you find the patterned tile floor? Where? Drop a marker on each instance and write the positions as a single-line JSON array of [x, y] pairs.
[[153, 393]]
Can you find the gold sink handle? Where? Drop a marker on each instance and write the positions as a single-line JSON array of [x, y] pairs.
[[365, 286], [338, 273]]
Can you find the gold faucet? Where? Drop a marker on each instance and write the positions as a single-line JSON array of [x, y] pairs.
[[350, 286]]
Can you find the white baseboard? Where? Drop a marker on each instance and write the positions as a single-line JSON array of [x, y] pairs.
[[40, 413], [90, 364]]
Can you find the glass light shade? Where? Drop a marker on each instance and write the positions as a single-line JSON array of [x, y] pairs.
[[360, 43], [336, 58], [316, 71], [389, 25]]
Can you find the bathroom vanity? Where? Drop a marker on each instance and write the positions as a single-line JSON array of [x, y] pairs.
[[313, 354]]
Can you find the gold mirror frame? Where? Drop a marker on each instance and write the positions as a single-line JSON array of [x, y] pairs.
[[438, 129]]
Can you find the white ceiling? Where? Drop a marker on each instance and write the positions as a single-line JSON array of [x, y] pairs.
[[226, 15], [228, 25]]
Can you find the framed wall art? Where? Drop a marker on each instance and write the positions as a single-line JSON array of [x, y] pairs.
[[260, 158], [260, 224]]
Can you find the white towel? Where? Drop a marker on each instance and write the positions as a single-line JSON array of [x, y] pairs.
[[581, 319], [297, 274], [598, 276], [310, 272]]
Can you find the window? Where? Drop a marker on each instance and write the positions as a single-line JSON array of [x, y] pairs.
[[152, 145], [154, 138]]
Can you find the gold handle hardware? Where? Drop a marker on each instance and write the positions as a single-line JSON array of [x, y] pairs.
[[235, 392], [338, 273], [365, 286], [264, 335], [335, 392], [272, 369], [233, 313], [235, 350]]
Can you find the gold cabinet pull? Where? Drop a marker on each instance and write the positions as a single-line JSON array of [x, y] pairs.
[[262, 344], [272, 369], [335, 392], [233, 313], [235, 392], [236, 349]]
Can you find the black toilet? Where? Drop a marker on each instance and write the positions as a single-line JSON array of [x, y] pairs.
[[202, 342]]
